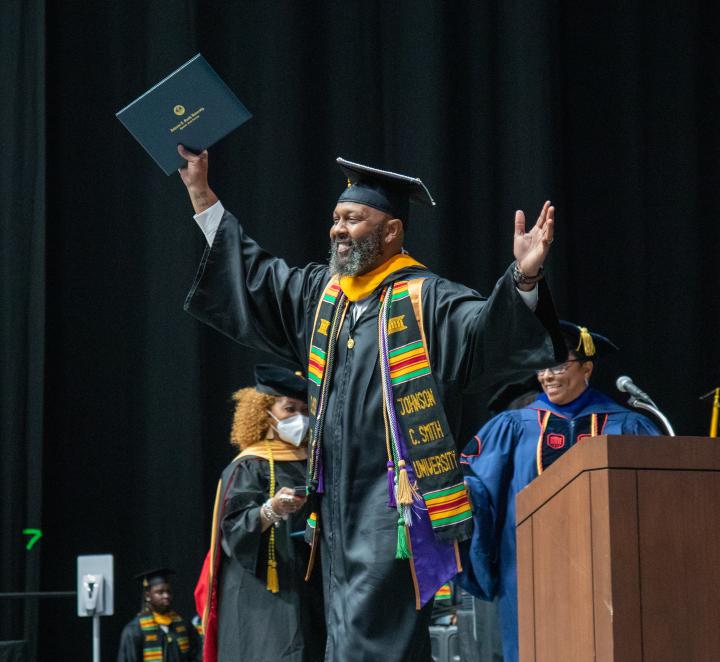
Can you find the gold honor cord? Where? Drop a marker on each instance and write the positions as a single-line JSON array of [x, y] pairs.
[[272, 583], [715, 410]]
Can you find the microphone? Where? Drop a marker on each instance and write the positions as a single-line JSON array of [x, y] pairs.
[[641, 400], [626, 385]]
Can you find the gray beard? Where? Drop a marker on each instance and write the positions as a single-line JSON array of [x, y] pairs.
[[363, 252]]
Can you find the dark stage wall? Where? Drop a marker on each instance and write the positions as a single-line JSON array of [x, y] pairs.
[[115, 406]]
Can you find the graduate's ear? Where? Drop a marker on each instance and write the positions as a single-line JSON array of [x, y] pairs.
[[393, 230]]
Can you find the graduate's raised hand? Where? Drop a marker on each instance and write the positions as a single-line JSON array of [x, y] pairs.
[[531, 248], [195, 177]]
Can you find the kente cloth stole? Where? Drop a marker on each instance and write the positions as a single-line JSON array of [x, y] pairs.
[[558, 434], [444, 592], [152, 648], [422, 460]]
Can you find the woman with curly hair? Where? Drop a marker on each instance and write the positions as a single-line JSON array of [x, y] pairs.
[[256, 605]]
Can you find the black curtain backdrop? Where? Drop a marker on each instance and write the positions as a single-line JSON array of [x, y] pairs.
[[115, 408], [23, 310]]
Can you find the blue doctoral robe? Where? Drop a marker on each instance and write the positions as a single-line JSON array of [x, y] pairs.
[[499, 462]]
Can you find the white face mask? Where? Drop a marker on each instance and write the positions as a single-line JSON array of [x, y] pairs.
[[292, 429]]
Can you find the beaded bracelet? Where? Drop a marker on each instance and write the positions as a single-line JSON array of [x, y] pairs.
[[269, 514]]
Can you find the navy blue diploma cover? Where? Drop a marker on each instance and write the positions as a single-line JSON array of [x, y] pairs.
[[192, 106]]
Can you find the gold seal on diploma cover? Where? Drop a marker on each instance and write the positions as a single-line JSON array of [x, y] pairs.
[[179, 110]]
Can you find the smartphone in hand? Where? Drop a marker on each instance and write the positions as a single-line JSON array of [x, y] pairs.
[[298, 491]]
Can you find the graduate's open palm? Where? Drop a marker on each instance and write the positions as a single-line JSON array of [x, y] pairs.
[[531, 248]]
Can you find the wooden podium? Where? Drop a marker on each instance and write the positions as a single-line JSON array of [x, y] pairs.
[[619, 553]]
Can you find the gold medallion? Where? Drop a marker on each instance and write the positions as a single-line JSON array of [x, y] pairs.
[[350, 343]]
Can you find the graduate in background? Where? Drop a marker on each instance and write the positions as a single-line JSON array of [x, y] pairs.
[[513, 448], [157, 632], [259, 606]]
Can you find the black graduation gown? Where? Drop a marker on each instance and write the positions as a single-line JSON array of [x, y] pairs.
[[255, 625], [131, 643], [260, 302]]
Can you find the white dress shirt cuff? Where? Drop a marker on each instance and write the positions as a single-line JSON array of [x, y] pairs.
[[530, 298], [209, 221]]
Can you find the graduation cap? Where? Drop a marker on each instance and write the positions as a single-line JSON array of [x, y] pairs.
[[514, 395], [387, 191], [278, 381], [586, 344], [149, 578]]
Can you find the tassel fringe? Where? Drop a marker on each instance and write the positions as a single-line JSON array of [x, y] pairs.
[[402, 551], [406, 514], [586, 342], [273, 585], [404, 495]]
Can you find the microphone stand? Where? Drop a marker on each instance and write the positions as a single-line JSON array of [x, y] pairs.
[[715, 410], [653, 409]]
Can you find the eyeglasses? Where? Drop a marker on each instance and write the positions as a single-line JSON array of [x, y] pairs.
[[559, 369]]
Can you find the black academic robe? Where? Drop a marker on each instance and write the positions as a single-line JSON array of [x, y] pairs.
[[255, 625], [260, 302], [131, 643]]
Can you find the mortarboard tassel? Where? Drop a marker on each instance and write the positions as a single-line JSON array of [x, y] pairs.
[[586, 342]]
